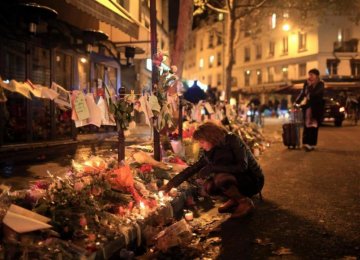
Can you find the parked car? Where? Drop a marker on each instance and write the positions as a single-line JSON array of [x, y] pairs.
[[333, 111]]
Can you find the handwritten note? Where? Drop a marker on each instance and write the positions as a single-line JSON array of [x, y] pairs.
[[81, 107]]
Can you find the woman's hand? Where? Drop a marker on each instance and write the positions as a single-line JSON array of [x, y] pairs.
[[166, 188]]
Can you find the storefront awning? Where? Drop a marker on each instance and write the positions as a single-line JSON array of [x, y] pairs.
[[108, 12]]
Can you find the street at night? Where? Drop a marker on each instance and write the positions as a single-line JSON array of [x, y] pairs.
[[310, 206], [179, 129]]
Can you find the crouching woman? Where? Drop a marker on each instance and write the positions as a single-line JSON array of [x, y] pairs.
[[228, 167]]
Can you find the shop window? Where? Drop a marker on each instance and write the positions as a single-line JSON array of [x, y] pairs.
[[14, 128], [41, 110], [63, 76]]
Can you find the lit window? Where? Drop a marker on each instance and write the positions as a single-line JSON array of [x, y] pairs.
[[340, 35], [273, 21], [247, 78], [201, 63], [285, 73], [259, 76], [220, 16], [211, 61]]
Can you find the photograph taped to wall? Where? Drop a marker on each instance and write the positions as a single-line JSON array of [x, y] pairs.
[[63, 100]]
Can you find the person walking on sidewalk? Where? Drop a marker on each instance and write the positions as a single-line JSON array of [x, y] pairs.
[[312, 104], [228, 167]]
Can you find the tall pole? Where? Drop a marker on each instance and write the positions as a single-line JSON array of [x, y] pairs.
[[153, 24]]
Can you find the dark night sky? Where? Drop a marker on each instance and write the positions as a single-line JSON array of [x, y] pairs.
[[173, 13]]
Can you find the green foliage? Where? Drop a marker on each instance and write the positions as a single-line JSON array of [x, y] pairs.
[[122, 109]]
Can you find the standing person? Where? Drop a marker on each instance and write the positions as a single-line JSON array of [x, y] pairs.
[[312, 104], [228, 166]]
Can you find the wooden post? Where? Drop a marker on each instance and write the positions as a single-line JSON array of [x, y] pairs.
[[121, 136], [180, 127], [153, 24]]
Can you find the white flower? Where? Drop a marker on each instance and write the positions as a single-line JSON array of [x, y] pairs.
[[174, 68]]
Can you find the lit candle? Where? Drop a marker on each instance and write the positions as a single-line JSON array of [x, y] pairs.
[[173, 192], [142, 208], [161, 195], [161, 198], [189, 216]]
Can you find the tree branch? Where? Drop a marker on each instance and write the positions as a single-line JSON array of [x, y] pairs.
[[220, 10]]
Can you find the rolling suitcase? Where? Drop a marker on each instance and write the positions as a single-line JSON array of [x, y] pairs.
[[291, 130], [291, 135]]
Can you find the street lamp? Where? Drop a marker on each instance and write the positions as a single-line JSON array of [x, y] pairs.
[[286, 27]]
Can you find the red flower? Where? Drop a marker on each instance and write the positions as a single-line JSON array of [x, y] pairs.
[[146, 168], [158, 58]]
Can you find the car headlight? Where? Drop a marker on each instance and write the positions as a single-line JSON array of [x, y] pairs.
[[342, 109]]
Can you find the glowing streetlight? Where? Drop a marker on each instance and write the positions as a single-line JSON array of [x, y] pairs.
[[286, 27]]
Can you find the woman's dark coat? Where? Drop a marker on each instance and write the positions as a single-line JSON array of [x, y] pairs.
[[233, 157], [316, 101]]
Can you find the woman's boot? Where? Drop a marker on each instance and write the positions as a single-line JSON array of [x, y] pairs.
[[244, 204]]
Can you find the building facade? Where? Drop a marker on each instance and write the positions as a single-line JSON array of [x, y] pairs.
[[78, 44], [278, 55]]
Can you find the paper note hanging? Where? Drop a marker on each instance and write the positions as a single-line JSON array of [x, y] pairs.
[[20, 88], [34, 89], [209, 108], [154, 103], [63, 100], [94, 110], [81, 107]]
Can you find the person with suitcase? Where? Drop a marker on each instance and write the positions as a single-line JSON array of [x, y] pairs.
[[311, 101]]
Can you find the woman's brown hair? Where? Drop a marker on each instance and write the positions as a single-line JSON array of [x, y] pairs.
[[211, 132]]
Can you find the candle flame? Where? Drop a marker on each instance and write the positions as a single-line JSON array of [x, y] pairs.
[[142, 205], [161, 194]]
